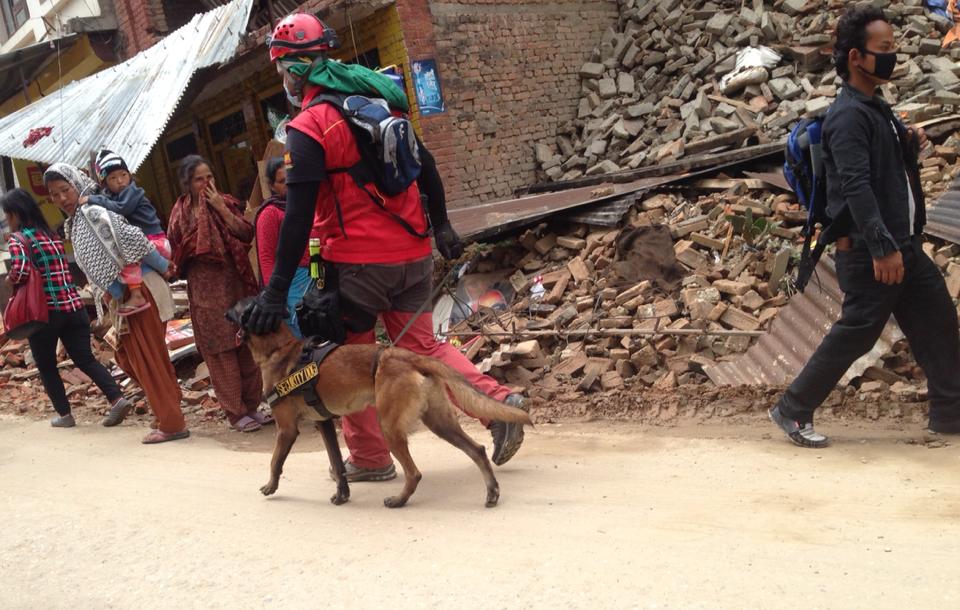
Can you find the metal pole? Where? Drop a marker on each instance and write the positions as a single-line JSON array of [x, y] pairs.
[[25, 85]]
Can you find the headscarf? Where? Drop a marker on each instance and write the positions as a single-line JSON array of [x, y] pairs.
[[74, 177], [348, 78], [208, 236]]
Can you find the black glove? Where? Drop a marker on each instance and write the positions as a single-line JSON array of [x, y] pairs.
[[265, 313], [448, 242]]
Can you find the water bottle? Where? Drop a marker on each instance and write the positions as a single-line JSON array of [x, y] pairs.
[[316, 263]]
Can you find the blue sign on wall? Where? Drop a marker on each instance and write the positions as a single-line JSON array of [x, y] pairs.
[[426, 84]]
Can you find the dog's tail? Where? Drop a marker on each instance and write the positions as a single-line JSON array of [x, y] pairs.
[[467, 397]]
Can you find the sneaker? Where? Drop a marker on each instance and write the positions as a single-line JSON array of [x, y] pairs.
[[355, 474], [118, 412], [507, 437], [801, 435], [63, 421]]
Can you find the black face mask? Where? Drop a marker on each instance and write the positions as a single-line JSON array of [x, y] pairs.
[[886, 63]]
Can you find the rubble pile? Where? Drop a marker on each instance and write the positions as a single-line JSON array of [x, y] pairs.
[[22, 390], [677, 79], [694, 277], [680, 264], [20, 383]]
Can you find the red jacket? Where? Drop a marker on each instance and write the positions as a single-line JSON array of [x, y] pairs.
[[372, 235]]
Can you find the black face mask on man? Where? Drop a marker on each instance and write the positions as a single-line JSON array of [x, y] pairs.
[[884, 66]]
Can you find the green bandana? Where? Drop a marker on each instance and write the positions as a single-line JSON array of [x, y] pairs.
[[351, 79]]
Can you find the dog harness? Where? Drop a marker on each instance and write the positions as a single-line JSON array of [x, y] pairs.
[[308, 368]]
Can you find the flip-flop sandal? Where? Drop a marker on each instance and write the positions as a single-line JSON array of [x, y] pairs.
[[124, 311], [246, 424], [262, 418], [156, 436]]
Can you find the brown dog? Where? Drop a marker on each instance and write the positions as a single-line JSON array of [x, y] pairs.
[[404, 386]]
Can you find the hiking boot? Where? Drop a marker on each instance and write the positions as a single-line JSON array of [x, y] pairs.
[[944, 427], [355, 474], [63, 421], [800, 435], [507, 437], [118, 412]]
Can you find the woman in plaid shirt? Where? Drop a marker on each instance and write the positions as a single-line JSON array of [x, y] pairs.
[[33, 245]]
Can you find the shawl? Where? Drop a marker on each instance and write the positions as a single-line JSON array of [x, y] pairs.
[[103, 244], [352, 79], [196, 232], [77, 179]]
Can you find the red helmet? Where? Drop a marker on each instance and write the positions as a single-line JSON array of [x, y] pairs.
[[301, 34]]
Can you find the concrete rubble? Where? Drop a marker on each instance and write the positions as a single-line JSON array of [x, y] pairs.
[[651, 92], [21, 388], [714, 255]]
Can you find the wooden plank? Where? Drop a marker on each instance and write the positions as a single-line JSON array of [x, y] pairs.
[[727, 139], [734, 103], [707, 241], [722, 184]]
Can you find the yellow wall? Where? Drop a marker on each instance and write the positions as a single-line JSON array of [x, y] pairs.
[[77, 62], [381, 31]]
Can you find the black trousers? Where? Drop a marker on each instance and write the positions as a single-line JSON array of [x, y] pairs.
[[926, 315], [73, 329]]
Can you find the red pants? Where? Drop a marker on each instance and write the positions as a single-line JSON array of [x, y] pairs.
[[361, 431]]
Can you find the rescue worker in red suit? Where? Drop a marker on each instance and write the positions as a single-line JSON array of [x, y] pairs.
[[384, 266]]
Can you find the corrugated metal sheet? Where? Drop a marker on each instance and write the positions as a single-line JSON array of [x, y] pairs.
[[778, 357], [943, 218], [491, 219], [126, 107], [605, 214]]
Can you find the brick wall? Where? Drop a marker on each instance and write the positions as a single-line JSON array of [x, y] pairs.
[[509, 74], [137, 21]]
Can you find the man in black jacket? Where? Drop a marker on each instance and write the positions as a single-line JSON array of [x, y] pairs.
[[874, 192]]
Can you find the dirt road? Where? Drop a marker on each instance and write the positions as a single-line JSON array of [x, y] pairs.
[[591, 516]]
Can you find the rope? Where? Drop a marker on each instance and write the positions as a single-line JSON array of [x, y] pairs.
[[63, 136]]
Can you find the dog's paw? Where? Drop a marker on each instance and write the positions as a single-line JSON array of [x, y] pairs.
[[394, 501], [269, 489], [493, 496], [339, 499]]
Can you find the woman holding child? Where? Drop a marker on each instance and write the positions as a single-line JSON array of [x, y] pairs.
[[211, 241], [104, 244]]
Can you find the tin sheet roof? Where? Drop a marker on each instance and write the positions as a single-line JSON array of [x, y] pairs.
[[491, 219], [126, 107], [943, 218], [797, 331]]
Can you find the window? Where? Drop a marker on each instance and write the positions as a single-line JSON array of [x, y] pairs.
[[274, 108], [181, 147], [15, 14], [228, 127]]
